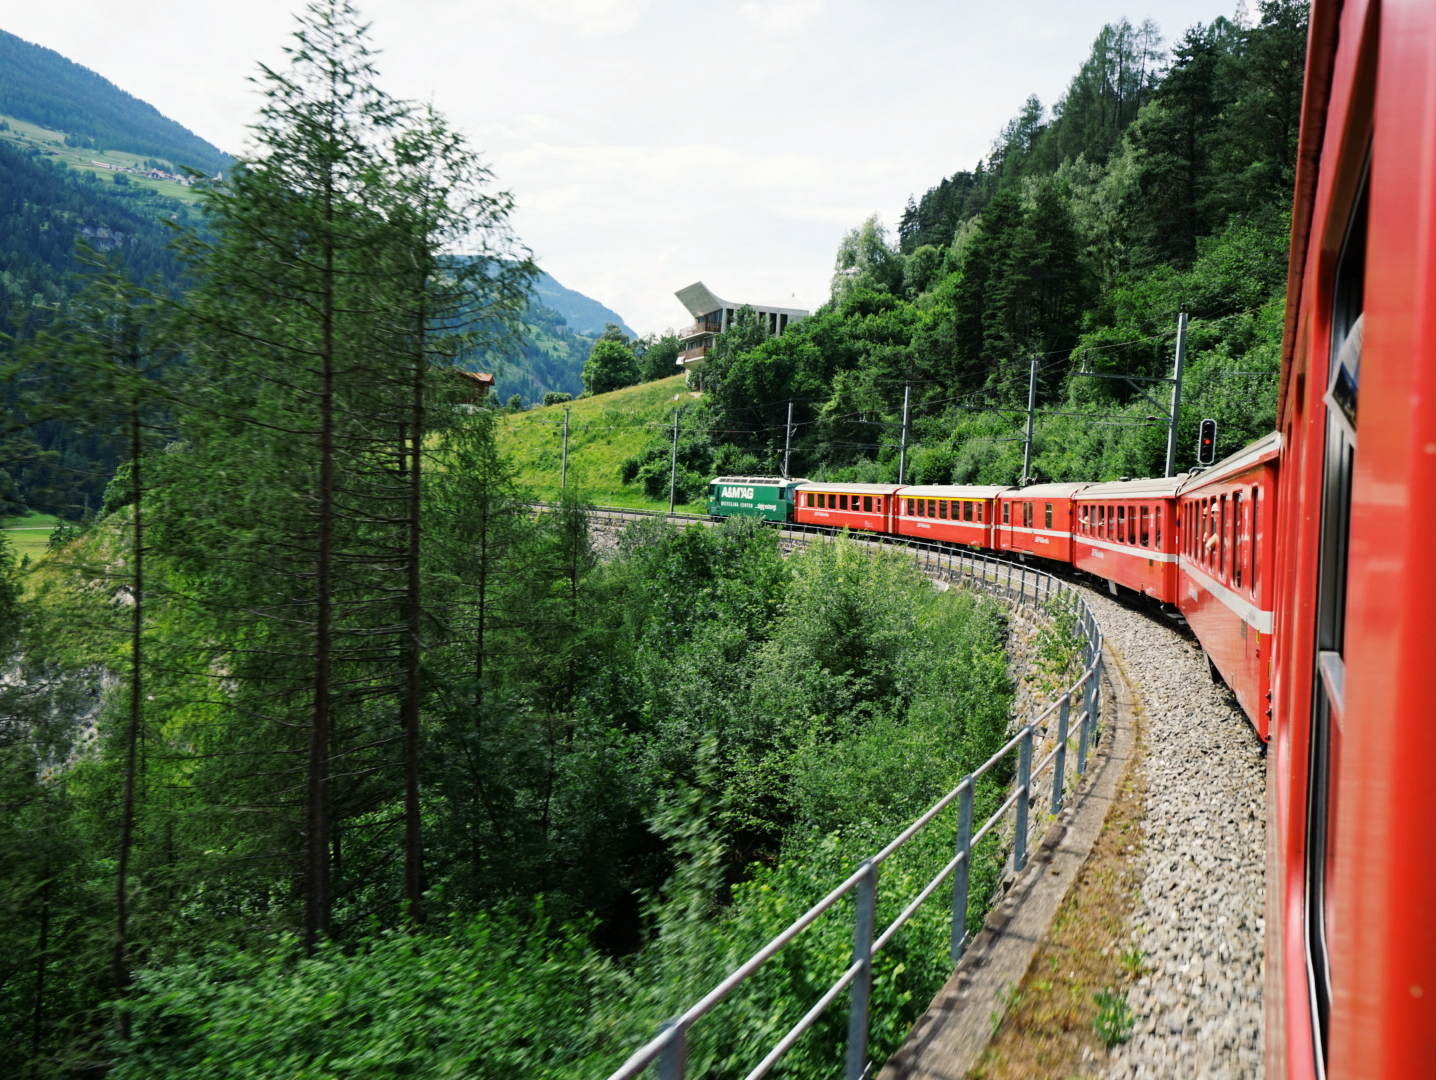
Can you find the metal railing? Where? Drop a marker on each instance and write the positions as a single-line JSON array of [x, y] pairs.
[[1022, 585]]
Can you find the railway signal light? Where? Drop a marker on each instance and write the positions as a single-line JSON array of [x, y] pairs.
[[1207, 443]]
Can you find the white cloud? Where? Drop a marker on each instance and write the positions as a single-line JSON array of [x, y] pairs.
[[590, 18], [781, 16]]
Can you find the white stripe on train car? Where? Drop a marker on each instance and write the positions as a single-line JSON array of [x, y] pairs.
[[1036, 532], [1123, 549], [1245, 610]]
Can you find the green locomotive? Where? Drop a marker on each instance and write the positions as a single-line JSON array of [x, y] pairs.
[[768, 497]]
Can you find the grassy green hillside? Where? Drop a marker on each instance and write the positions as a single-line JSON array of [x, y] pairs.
[[29, 534], [50, 144], [603, 432]]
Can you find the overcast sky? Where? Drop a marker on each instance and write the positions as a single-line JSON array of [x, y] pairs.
[[652, 143]]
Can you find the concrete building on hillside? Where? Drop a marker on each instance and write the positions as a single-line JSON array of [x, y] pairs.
[[712, 316]]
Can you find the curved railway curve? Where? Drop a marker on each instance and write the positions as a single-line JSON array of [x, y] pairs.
[[1198, 926]]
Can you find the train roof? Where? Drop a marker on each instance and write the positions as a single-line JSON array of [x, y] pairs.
[[766, 481], [954, 491], [852, 489], [1264, 449], [1156, 487], [1046, 491]]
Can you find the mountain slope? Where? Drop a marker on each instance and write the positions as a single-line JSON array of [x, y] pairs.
[[583, 314], [39, 85]]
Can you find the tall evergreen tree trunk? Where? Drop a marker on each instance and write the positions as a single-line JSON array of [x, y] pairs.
[[120, 963], [413, 600], [317, 900]]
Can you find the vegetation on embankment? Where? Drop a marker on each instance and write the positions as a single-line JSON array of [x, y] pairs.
[[605, 430], [746, 728]]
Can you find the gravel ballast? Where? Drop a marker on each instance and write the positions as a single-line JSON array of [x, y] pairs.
[[1197, 1006]]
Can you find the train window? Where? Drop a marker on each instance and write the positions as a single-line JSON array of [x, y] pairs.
[[910, 511], [932, 508], [979, 512], [1228, 531], [1049, 515], [1157, 527], [842, 502], [966, 511], [1131, 524], [867, 504], [942, 509], [1007, 513], [1239, 548], [1256, 535], [1146, 527], [1121, 524]]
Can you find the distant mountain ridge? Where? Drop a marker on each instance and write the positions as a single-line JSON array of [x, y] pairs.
[[583, 314], [41, 86]]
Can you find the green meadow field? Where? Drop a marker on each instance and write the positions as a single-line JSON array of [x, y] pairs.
[[603, 432]]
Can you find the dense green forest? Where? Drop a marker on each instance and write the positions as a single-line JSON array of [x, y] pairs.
[[1159, 182], [322, 752], [40, 85]]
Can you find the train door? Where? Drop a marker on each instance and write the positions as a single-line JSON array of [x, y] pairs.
[[1324, 755]]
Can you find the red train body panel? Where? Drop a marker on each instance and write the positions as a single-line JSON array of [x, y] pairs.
[[1125, 532], [866, 507], [1225, 586], [954, 514], [1038, 520], [1351, 884]]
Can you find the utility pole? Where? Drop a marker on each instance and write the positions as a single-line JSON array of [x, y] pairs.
[[1031, 404], [1176, 394], [563, 477], [788, 441], [906, 419], [673, 465]]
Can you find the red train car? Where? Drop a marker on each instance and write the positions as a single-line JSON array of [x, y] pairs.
[[1225, 585], [868, 507], [1126, 532], [1351, 886], [955, 514], [1038, 520]]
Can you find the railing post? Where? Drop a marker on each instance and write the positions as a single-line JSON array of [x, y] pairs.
[[673, 1058], [1024, 783], [863, 984], [1060, 762], [963, 872], [1090, 695]]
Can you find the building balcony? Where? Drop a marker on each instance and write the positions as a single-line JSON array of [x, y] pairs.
[[711, 324], [695, 352]]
